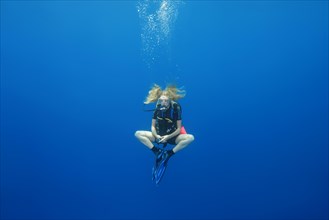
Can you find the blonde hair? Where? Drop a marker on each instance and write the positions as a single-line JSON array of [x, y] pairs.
[[171, 91]]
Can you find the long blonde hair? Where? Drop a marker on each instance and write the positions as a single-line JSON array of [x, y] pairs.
[[171, 91]]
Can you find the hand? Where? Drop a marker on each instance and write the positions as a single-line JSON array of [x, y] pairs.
[[164, 139], [158, 138]]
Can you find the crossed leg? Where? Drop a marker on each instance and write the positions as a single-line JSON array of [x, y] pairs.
[[182, 141], [147, 138]]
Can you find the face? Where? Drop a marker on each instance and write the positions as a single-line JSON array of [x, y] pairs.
[[164, 101]]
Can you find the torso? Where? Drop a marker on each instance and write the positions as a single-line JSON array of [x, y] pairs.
[[166, 121]]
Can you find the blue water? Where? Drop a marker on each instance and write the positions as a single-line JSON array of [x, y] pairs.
[[73, 79]]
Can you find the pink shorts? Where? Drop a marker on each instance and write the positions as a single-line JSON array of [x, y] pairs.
[[182, 130]]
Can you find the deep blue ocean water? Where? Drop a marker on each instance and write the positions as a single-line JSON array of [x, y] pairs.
[[74, 76]]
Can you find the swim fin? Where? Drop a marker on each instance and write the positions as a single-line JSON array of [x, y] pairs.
[[160, 168], [158, 158]]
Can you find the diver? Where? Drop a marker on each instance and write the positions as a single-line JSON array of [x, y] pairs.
[[166, 127]]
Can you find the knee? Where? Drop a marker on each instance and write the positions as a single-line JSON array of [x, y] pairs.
[[190, 137], [138, 134]]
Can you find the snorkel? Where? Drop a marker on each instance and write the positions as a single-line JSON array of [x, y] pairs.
[[159, 106], [163, 103]]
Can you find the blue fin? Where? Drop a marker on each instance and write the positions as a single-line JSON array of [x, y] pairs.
[[158, 158], [160, 168]]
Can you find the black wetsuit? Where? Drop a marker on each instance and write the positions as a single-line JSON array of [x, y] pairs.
[[166, 120]]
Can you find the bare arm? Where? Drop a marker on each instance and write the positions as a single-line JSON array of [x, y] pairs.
[[177, 131], [154, 132]]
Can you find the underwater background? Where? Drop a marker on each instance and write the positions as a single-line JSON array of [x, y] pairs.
[[74, 75]]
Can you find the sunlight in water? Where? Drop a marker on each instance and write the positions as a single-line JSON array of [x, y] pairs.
[[157, 21]]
